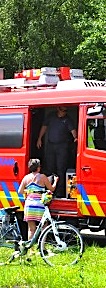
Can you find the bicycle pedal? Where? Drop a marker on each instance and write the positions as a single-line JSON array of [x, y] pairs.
[[45, 252], [15, 255], [22, 244]]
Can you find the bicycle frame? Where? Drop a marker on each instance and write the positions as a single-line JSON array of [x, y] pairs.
[[39, 232]]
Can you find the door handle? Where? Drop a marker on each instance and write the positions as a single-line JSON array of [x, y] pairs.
[[15, 168], [86, 168]]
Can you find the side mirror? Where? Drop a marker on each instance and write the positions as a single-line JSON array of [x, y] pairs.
[[97, 109]]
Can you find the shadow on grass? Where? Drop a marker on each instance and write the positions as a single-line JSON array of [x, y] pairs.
[[98, 240]]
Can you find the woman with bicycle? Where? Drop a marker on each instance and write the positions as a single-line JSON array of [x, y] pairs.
[[34, 184], [59, 243]]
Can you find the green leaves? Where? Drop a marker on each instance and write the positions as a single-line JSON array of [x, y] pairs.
[[91, 50], [53, 33]]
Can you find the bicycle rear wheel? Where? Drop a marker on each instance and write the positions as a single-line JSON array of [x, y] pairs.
[[61, 255], [7, 248], [6, 251]]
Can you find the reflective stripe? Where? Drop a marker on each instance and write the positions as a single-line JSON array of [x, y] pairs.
[[9, 195], [89, 204]]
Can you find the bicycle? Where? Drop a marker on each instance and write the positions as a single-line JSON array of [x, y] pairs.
[[59, 243], [9, 230]]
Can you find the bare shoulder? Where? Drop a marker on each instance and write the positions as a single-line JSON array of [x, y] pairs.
[[43, 176], [27, 177], [44, 179]]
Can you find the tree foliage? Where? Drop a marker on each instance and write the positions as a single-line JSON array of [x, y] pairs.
[[53, 33], [91, 50]]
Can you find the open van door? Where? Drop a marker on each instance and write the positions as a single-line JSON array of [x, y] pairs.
[[14, 154], [91, 168]]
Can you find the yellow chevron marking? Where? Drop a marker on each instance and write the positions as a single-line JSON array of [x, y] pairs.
[[81, 205], [95, 205], [16, 200], [3, 199]]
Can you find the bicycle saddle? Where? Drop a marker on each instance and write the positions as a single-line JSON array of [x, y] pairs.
[[11, 209]]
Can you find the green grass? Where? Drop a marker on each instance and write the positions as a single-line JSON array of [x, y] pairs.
[[89, 272]]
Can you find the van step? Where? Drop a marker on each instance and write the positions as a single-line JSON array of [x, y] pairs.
[[93, 227]]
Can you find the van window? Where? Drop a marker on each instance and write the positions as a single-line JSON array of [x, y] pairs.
[[96, 133], [11, 130]]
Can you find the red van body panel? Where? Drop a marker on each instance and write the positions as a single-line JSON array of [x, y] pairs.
[[90, 163], [53, 97], [91, 174]]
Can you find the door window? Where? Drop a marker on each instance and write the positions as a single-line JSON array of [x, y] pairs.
[[11, 130], [96, 132]]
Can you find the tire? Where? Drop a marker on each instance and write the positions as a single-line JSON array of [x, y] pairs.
[[6, 251], [8, 246], [53, 254]]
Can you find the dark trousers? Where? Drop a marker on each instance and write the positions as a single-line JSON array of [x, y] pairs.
[[56, 162]]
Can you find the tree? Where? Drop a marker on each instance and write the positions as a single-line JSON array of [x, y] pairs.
[[53, 33], [91, 50]]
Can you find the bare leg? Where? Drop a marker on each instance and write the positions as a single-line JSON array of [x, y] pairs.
[[31, 231]]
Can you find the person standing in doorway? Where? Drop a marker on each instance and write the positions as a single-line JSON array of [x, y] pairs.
[[58, 125]]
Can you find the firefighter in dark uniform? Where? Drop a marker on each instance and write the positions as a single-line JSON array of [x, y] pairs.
[[58, 125]]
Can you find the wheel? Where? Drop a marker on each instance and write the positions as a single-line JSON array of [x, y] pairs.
[[68, 251], [8, 246], [6, 251]]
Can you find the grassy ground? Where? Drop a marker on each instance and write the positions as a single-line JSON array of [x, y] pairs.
[[90, 272]]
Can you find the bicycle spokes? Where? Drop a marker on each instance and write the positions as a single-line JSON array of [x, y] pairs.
[[67, 252]]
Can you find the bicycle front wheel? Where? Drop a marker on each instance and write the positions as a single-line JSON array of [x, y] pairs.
[[67, 251]]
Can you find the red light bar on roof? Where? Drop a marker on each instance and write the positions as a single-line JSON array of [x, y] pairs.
[[34, 74], [31, 74]]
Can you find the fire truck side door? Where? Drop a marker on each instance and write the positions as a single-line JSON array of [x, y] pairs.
[[91, 169], [14, 153]]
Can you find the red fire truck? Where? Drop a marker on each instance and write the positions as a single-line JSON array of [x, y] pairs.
[[24, 102]]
